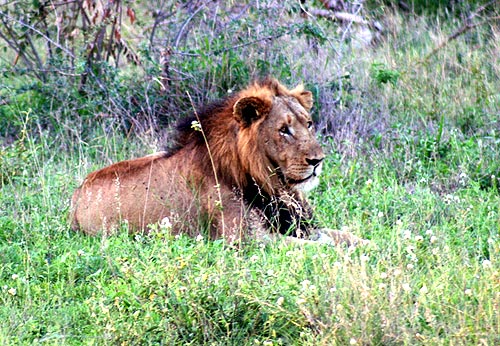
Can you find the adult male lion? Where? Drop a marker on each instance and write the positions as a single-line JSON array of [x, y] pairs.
[[239, 171]]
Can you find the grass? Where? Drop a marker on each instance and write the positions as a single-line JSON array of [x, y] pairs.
[[414, 167]]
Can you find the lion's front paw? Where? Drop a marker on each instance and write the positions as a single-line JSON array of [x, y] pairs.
[[336, 237]]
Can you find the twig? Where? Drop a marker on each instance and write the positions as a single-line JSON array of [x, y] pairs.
[[183, 27], [38, 32], [466, 27]]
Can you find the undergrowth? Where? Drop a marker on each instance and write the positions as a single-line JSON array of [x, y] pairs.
[[412, 142]]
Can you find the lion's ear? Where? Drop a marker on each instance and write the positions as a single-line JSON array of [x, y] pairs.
[[248, 109], [306, 99]]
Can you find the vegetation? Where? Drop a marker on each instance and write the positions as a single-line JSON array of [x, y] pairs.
[[411, 125]]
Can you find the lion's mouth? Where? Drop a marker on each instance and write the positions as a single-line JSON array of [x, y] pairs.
[[300, 181], [315, 173]]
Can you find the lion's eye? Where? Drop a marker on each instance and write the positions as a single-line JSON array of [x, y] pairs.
[[285, 130], [309, 125]]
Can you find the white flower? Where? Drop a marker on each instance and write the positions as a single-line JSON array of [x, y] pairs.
[[305, 284], [12, 291], [468, 292], [15, 276], [406, 234], [165, 223], [254, 258], [419, 238], [80, 253], [353, 341], [428, 232], [433, 239], [410, 266], [380, 214], [199, 237], [406, 287], [280, 301], [486, 264], [300, 301], [424, 289], [383, 275], [369, 182]]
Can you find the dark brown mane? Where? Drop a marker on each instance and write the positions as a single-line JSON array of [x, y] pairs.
[[184, 131], [211, 114]]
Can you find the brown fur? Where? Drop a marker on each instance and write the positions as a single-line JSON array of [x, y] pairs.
[[259, 144]]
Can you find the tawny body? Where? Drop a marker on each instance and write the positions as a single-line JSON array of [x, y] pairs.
[[240, 170]]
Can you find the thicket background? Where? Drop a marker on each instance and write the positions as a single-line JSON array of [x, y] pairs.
[[407, 99]]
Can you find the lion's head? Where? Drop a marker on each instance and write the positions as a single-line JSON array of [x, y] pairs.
[[276, 139], [264, 133]]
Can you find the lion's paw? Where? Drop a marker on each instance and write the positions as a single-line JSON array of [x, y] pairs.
[[336, 237]]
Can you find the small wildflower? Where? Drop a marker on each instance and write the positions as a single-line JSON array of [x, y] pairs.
[[468, 292], [419, 238], [406, 287], [486, 264], [300, 301], [15, 276], [305, 284], [382, 286], [406, 234], [380, 214], [337, 264], [364, 258], [199, 237], [80, 253], [267, 343], [429, 232], [280, 301], [165, 223], [254, 258], [369, 182], [383, 275], [12, 291], [433, 239], [397, 272], [399, 222], [410, 249], [424, 289], [195, 125], [353, 341], [410, 266], [270, 272]]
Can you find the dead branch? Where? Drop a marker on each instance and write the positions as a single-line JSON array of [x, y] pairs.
[[463, 29]]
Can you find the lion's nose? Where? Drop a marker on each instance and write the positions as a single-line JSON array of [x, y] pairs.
[[314, 162]]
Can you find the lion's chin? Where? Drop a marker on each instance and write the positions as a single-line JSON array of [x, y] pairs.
[[308, 184]]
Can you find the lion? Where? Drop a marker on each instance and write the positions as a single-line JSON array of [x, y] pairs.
[[239, 171]]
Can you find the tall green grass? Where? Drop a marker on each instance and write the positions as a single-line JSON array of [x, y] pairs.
[[412, 165]]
